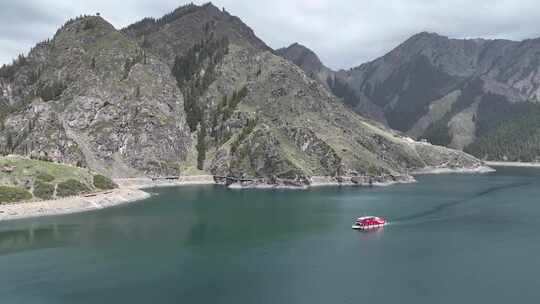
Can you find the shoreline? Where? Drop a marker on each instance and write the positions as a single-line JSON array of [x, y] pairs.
[[323, 181], [130, 190], [512, 164], [133, 189], [70, 205], [445, 170]]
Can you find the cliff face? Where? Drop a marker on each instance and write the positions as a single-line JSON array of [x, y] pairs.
[[193, 91], [464, 94], [94, 97]]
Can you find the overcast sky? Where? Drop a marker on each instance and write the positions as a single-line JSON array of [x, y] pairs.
[[344, 33]]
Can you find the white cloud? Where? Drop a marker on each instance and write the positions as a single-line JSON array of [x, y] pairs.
[[344, 33]]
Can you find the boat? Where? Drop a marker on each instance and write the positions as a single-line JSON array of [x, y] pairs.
[[369, 222]]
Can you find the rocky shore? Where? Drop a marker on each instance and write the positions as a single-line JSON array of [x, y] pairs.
[[513, 164], [143, 182], [319, 181], [447, 170]]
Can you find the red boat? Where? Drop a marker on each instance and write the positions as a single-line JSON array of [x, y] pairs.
[[369, 222]]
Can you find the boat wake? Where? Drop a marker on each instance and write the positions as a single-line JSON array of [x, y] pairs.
[[444, 206]]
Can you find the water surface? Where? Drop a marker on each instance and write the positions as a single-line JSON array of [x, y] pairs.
[[453, 238]]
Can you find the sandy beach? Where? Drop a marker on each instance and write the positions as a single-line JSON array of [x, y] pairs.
[[130, 190], [69, 205]]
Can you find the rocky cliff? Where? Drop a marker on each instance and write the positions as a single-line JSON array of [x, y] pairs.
[[193, 91], [92, 96]]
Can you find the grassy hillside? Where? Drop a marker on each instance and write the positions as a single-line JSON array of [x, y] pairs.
[[23, 179]]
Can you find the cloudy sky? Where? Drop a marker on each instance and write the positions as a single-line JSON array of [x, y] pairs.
[[344, 33]]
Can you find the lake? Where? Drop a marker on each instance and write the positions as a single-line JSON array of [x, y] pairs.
[[452, 238]]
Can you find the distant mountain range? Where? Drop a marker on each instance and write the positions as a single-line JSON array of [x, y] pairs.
[[481, 96], [196, 91]]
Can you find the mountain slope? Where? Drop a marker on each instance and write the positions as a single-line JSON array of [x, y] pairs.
[[307, 60], [195, 88], [277, 102], [175, 33], [434, 87], [93, 97]]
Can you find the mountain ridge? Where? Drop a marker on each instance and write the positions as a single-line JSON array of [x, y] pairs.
[[195, 91], [434, 87]]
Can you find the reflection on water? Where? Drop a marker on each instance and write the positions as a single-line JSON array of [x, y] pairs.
[[31, 238], [192, 216], [373, 234]]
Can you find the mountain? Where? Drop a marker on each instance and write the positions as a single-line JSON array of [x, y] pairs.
[[93, 97], [177, 32], [478, 95], [310, 63], [195, 91], [307, 60]]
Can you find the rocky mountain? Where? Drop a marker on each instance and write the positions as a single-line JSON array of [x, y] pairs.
[[307, 60], [465, 94], [176, 33], [194, 91], [92, 96]]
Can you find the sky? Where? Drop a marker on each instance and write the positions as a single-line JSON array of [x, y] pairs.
[[344, 33]]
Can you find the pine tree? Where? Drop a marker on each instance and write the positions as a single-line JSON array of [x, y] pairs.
[[9, 143], [201, 146]]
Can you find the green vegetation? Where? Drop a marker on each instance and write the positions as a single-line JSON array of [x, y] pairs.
[[438, 133], [201, 146], [187, 69], [425, 83], [104, 183], [89, 24], [228, 106], [6, 110], [31, 168], [248, 128], [342, 90], [507, 131], [13, 194], [43, 190], [374, 171], [9, 71], [149, 25], [45, 177], [51, 91], [224, 112], [495, 111], [71, 187], [131, 62]]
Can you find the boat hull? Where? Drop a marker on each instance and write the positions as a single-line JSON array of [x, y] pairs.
[[368, 227]]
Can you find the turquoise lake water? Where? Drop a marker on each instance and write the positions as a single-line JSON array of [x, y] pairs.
[[452, 238]]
